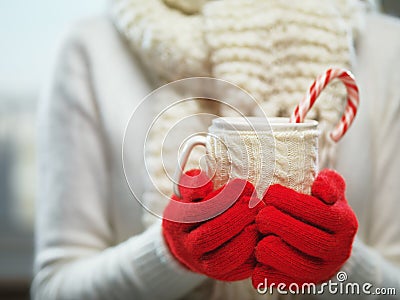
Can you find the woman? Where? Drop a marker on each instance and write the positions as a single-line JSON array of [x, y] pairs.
[[94, 241]]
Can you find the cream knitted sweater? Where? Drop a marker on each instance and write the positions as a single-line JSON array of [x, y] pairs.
[[91, 240]]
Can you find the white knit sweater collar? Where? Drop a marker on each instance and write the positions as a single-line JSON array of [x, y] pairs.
[[273, 49]]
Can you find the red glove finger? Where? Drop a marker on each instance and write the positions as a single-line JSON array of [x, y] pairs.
[[244, 271], [314, 241], [307, 208], [213, 233], [275, 253], [228, 257]]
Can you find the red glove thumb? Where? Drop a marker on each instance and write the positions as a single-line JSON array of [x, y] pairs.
[[329, 186]]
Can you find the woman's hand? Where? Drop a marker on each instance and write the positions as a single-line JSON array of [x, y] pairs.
[[306, 239], [221, 247]]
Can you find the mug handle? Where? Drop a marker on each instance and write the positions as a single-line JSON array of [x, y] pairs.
[[196, 140]]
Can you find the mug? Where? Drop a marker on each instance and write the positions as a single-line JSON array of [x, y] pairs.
[[260, 150]]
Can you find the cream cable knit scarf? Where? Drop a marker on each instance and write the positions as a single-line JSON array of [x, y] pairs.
[[273, 49]]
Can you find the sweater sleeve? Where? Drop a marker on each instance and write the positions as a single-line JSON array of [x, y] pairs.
[[75, 255]]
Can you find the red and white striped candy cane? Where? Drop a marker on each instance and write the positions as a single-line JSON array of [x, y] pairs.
[[315, 90]]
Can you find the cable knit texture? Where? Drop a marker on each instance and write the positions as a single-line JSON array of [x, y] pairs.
[[248, 154]]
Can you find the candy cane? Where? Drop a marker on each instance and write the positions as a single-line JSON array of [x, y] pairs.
[[315, 90]]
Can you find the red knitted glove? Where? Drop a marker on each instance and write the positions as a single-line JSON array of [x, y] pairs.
[[222, 247], [306, 238]]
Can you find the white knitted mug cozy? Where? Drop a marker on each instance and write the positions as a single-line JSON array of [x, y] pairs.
[[261, 151]]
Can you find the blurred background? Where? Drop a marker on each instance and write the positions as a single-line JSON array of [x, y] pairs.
[[30, 32]]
